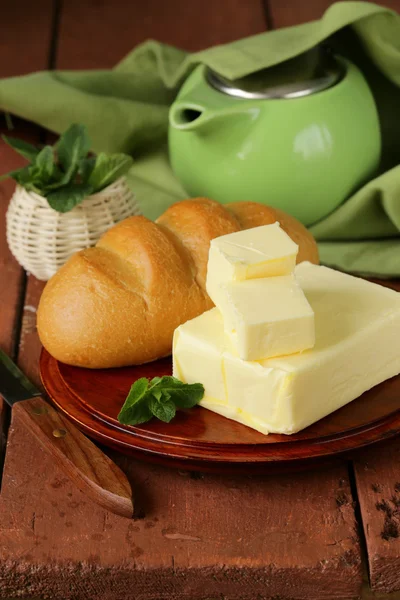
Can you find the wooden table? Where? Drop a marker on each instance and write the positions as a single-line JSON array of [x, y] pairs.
[[312, 535]]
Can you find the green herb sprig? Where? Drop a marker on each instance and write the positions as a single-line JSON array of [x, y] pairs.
[[66, 173], [158, 398]]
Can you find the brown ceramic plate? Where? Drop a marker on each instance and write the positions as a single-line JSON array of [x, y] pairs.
[[201, 439]]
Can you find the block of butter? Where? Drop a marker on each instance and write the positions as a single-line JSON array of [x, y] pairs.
[[265, 251], [266, 317], [357, 346]]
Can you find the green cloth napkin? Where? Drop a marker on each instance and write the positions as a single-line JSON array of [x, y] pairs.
[[126, 109]]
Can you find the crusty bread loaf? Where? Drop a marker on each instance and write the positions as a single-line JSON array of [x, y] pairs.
[[118, 303]]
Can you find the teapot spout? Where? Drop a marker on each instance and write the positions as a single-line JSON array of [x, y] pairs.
[[188, 116]]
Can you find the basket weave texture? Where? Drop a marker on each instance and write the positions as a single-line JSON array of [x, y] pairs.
[[42, 239]]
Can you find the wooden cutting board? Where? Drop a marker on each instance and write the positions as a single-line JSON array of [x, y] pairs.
[[204, 440]]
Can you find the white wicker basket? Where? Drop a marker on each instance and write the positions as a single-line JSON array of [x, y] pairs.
[[42, 239]]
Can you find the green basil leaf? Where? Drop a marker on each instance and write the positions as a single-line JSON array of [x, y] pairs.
[[185, 395], [137, 392], [63, 179], [24, 148], [34, 171], [135, 415], [165, 411], [159, 397], [166, 395], [155, 381], [73, 145], [54, 182], [21, 176], [157, 394], [66, 198], [135, 410], [66, 168], [45, 163], [108, 168], [85, 168]]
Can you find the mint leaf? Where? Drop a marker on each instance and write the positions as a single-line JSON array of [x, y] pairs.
[[19, 175], [24, 148], [163, 410], [85, 168], [22, 177], [64, 179], [73, 145], [108, 168], [135, 415], [134, 411], [157, 394], [159, 397], [35, 175], [45, 163], [185, 395], [137, 392], [67, 198], [65, 173]]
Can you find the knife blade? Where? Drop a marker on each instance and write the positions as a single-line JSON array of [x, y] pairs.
[[14, 386], [88, 467]]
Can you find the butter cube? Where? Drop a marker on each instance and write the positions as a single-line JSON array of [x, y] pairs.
[[357, 346], [265, 251], [267, 317]]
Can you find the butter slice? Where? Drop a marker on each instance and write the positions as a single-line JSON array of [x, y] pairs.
[[266, 317], [357, 346], [265, 251]]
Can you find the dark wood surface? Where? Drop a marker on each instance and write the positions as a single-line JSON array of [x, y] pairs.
[[113, 27], [80, 459], [313, 535], [193, 536], [378, 484], [35, 56], [203, 439]]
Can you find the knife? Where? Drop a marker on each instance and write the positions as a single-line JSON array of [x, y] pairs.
[[91, 470]]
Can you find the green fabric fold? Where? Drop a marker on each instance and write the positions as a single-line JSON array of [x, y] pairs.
[[126, 109]]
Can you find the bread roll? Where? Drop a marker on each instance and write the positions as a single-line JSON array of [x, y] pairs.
[[119, 303]]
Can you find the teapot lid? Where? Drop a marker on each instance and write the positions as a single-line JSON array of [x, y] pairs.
[[306, 74]]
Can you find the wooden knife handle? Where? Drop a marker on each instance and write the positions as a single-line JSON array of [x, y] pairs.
[[89, 468]]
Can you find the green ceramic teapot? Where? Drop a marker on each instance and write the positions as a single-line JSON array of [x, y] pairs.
[[301, 136]]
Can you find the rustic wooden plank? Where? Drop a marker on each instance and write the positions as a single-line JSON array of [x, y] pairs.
[[378, 485], [11, 280], [25, 34], [30, 346], [99, 34], [194, 537], [12, 277], [377, 475], [376, 469], [284, 13], [10, 272], [393, 4], [27, 27]]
